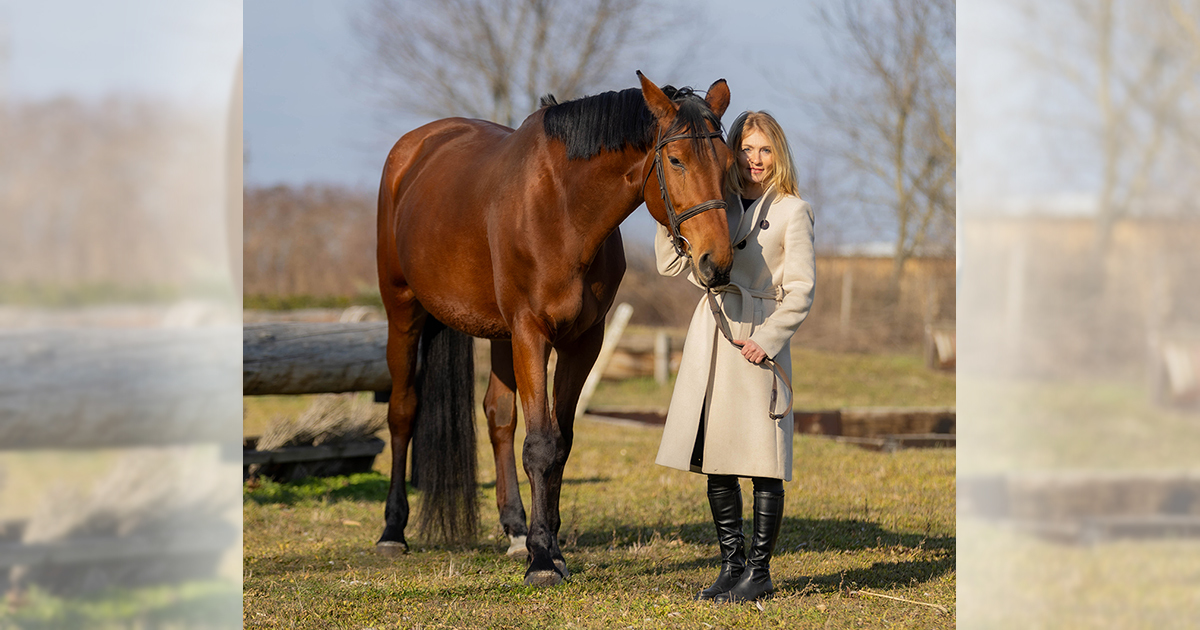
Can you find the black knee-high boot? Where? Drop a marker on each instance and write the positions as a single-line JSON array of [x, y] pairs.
[[755, 582], [726, 504]]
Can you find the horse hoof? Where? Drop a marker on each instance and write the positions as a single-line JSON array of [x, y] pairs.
[[516, 548], [543, 578], [562, 568], [391, 548]]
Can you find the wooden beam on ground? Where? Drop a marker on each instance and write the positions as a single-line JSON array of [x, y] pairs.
[[881, 421], [287, 454], [307, 358]]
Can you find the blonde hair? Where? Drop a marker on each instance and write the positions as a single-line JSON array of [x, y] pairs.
[[783, 170]]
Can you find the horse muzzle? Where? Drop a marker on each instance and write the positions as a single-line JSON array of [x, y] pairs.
[[709, 273]]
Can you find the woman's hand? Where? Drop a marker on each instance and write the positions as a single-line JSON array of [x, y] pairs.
[[752, 351]]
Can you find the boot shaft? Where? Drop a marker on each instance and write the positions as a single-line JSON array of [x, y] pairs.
[[726, 506], [755, 582], [768, 520]]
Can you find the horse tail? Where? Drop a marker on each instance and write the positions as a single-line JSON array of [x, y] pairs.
[[444, 437]]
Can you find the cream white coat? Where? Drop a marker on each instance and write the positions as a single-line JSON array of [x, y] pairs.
[[770, 294]]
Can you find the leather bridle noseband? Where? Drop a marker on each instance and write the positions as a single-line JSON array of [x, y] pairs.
[[674, 220]]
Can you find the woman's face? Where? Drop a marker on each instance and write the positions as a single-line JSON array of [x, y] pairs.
[[755, 157]]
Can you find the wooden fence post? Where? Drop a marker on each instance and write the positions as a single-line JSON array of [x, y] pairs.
[[662, 357], [611, 336], [847, 292]]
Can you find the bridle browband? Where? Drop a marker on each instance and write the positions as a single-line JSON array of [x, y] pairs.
[[674, 220]]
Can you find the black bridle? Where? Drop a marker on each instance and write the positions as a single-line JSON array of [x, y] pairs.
[[674, 219]]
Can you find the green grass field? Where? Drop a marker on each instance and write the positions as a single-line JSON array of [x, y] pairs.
[[637, 538]]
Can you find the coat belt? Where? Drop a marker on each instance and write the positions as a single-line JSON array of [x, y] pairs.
[[723, 326], [743, 293]]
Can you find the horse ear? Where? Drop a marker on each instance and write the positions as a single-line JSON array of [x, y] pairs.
[[661, 106], [718, 97]]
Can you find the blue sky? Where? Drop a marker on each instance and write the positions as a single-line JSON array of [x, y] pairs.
[[310, 117]]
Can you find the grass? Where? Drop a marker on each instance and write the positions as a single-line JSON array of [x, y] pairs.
[[637, 538], [296, 302], [1088, 424]]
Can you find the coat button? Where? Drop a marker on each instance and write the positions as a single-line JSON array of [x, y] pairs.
[[764, 225], [741, 245]]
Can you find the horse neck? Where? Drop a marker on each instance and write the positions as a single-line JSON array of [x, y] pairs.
[[607, 189]]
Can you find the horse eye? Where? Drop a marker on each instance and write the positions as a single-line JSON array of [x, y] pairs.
[[675, 162]]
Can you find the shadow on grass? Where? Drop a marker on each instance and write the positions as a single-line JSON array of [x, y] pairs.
[[881, 575], [801, 535], [489, 485], [372, 486], [797, 534]]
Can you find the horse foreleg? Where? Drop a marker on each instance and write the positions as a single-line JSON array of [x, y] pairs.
[[575, 361], [500, 405], [405, 319], [543, 450]]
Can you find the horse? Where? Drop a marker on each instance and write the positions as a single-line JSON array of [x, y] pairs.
[[512, 235]]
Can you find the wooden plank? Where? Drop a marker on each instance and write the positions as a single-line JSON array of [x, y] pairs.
[[824, 422], [880, 421], [313, 453], [305, 358], [95, 388]]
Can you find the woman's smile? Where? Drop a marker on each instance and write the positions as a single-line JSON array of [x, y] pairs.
[[755, 157]]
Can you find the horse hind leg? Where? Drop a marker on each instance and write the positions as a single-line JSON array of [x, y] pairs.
[[500, 406], [406, 318]]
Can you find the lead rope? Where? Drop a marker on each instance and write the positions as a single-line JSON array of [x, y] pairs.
[[723, 326]]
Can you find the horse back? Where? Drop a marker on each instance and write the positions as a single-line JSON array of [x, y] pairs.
[[439, 184]]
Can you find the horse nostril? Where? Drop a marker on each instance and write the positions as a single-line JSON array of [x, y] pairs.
[[711, 275]]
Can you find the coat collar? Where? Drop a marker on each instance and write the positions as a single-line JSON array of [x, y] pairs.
[[749, 217]]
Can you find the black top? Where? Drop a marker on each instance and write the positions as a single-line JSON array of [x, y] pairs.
[[746, 203]]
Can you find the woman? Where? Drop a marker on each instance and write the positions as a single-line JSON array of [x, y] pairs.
[[730, 413]]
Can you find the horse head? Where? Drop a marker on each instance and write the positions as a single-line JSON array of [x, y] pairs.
[[690, 159]]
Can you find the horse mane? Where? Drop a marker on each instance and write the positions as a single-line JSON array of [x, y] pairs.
[[613, 120]]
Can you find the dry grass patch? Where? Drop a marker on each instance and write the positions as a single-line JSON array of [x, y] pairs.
[[637, 538]]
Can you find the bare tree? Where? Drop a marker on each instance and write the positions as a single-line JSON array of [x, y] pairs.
[[493, 59], [892, 113], [1133, 67]]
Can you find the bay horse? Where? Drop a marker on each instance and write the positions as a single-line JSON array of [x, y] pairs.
[[512, 235]]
